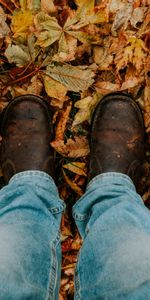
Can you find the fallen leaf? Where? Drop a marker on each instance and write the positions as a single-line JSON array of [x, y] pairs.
[[67, 48], [48, 6], [102, 58], [48, 30], [105, 87], [147, 106], [137, 16], [76, 167], [74, 78], [15, 54], [73, 185], [21, 21], [61, 126], [4, 29], [54, 88], [86, 107], [131, 80], [34, 5], [79, 147], [122, 17], [134, 53]]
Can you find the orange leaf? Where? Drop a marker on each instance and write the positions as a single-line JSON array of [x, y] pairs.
[[60, 129], [78, 147], [73, 185]]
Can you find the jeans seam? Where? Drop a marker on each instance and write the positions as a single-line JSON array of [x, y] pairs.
[[54, 270]]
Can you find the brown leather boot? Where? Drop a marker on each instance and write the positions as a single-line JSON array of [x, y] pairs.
[[117, 137], [26, 130]]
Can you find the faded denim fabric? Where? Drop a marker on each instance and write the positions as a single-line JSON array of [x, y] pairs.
[[30, 255], [114, 261]]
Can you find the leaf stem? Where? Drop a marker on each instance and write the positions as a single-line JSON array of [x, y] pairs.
[[6, 6]]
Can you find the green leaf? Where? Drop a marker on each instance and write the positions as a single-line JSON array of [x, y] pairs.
[[75, 79]]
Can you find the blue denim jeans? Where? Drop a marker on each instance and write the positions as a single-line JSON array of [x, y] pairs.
[[114, 261]]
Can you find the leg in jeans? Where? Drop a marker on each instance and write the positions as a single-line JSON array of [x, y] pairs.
[[30, 208], [114, 260], [30, 255]]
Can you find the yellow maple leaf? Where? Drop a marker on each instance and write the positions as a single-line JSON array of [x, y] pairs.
[[134, 53], [21, 21]]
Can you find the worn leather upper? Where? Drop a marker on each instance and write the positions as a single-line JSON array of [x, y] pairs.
[[26, 133], [117, 137]]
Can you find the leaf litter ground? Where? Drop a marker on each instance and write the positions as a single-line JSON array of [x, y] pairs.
[[73, 53]]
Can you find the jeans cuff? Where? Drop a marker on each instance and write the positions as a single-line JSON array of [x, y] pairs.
[[32, 173], [112, 177]]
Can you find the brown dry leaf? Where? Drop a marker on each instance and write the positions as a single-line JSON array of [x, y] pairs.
[[137, 16], [61, 126], [77, 242], [76, 167], [54, 88], [48, 30], [131, 80], [65, 228], [73, 185], [48, 6], [79, 147], [58, 103], [67, 48], [34, 87], [102, 57], [122, 17], [147, 106], [86, 107], [134, 53], [105, 87], [4, 29], [61, 297], [74, 78]]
